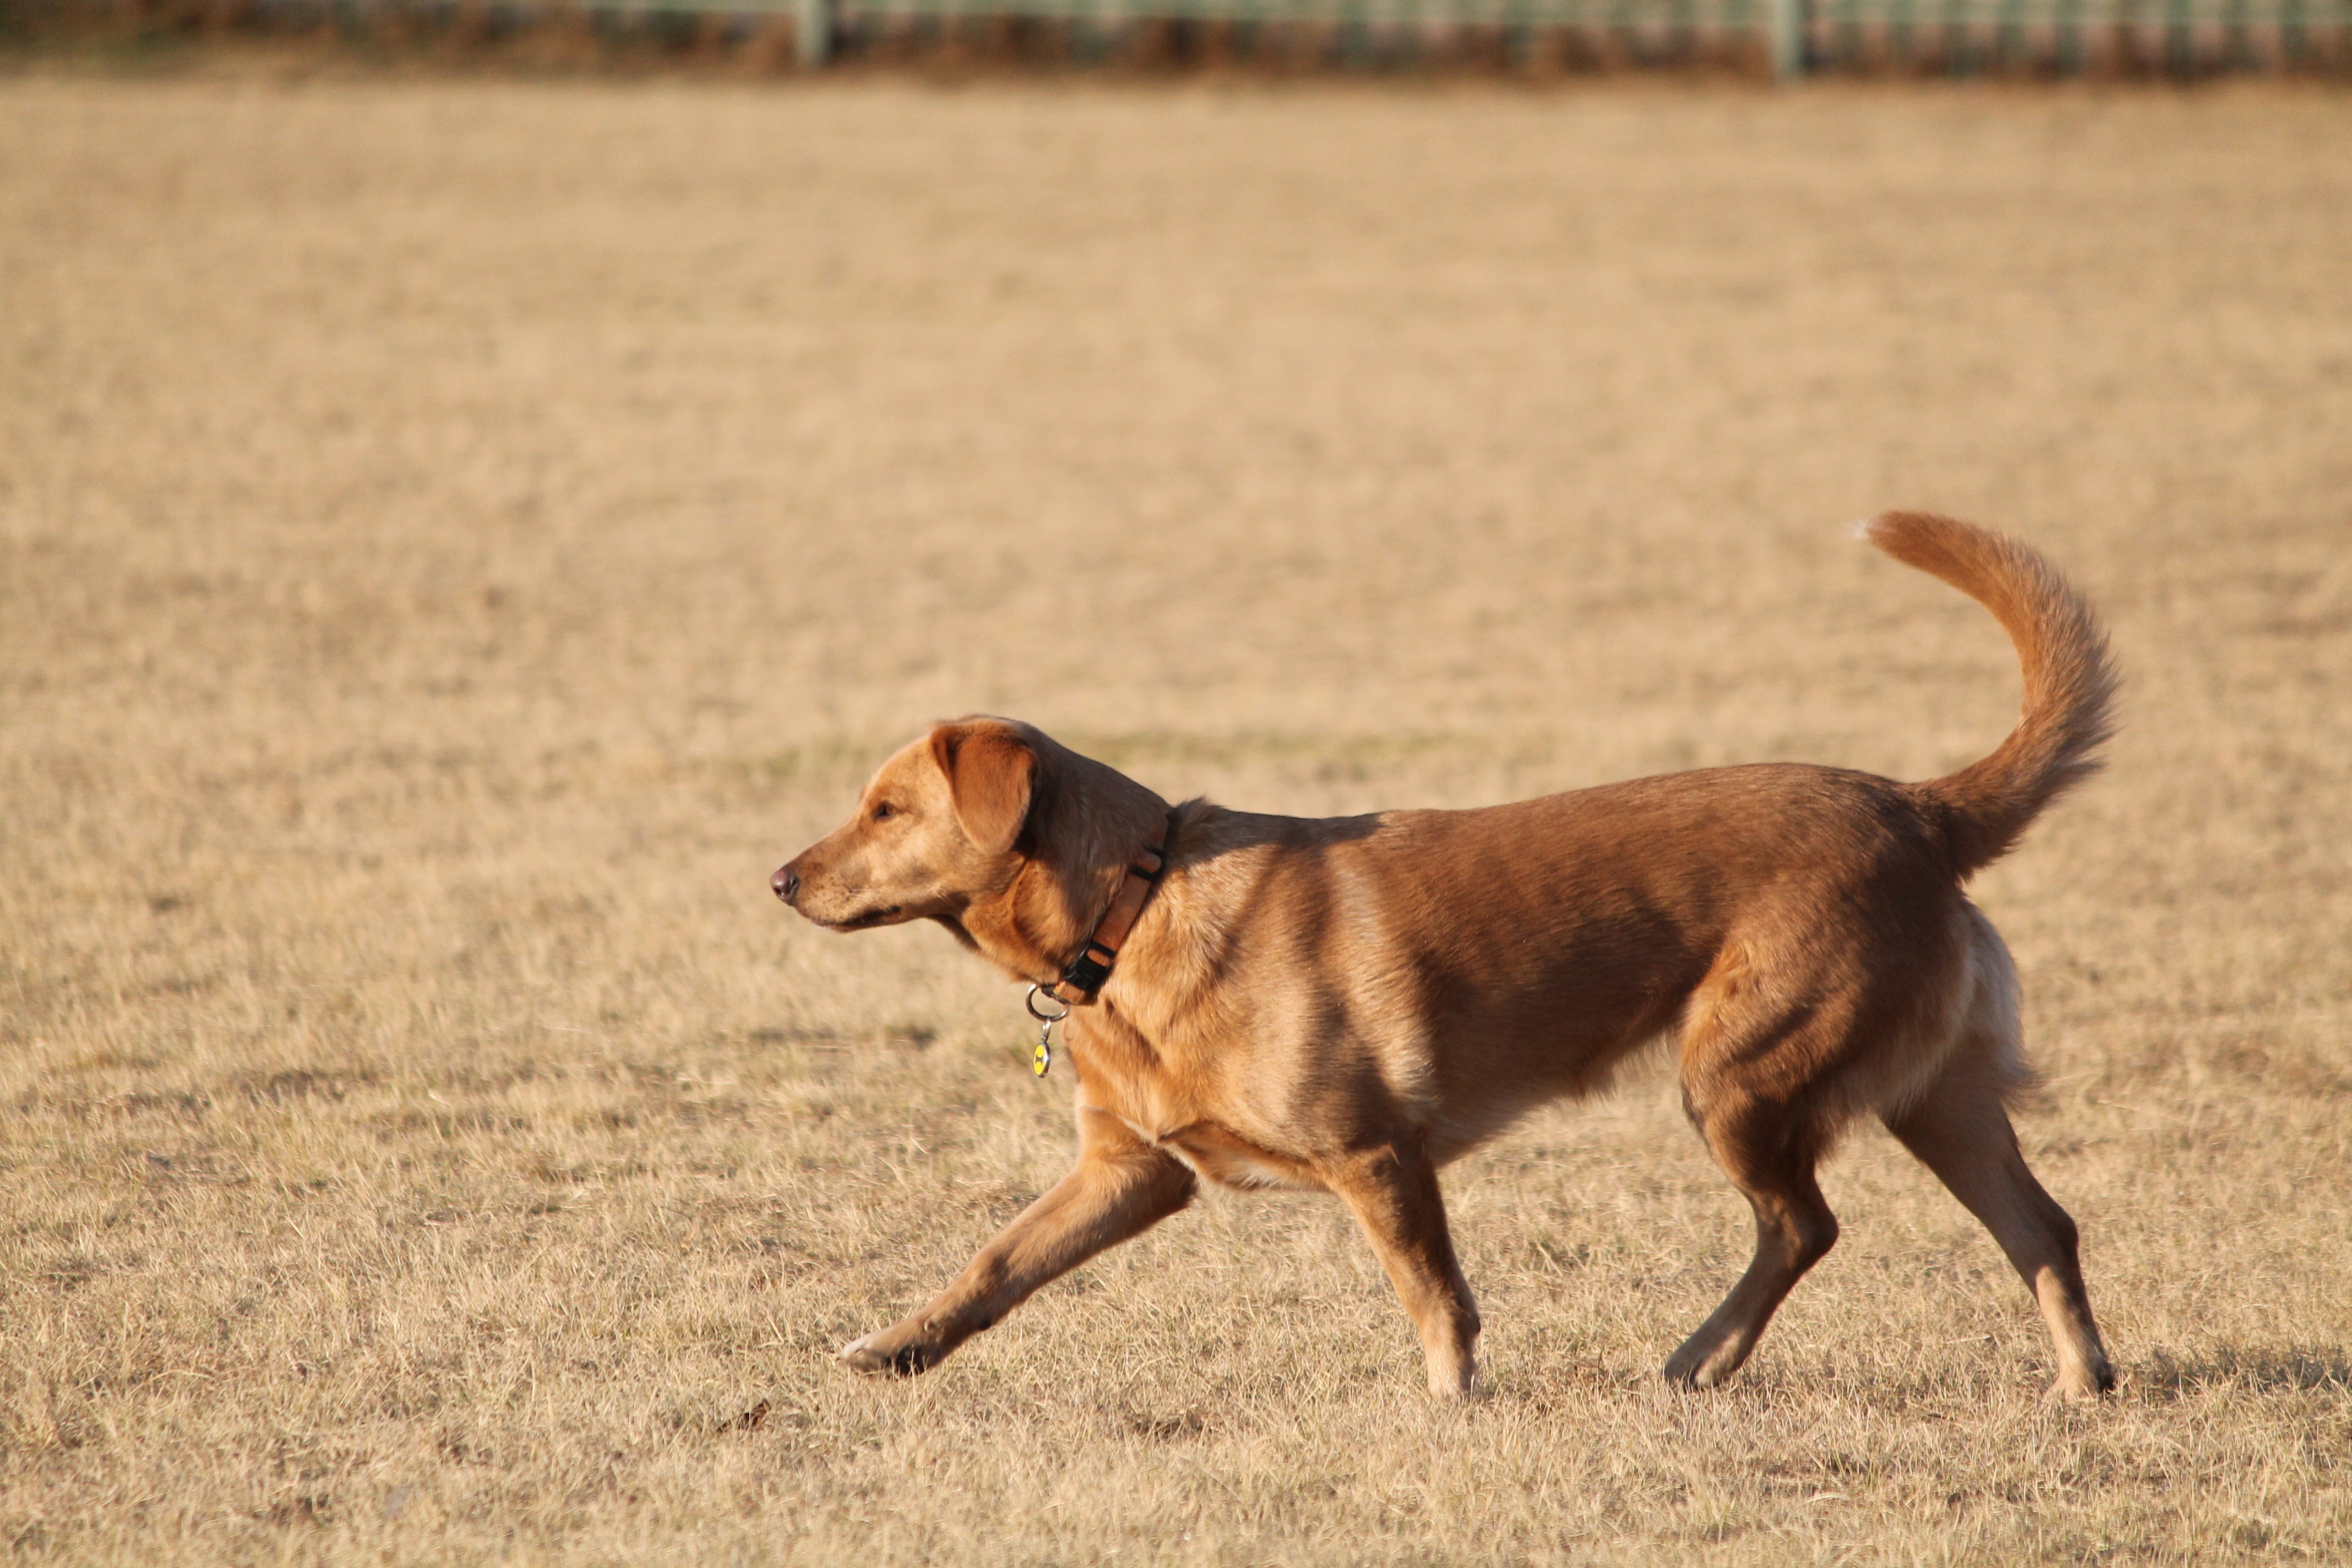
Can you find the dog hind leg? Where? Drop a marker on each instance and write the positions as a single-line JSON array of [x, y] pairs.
[[1960, 1131], [1751, 1050], [1769, 1156]]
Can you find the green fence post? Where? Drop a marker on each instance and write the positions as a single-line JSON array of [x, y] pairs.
[[812, 32], [1786, 18]]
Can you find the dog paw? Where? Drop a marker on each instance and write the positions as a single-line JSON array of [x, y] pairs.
[[2082, 1388], [1451, 1388], [1699, 1366], [874, 1353]]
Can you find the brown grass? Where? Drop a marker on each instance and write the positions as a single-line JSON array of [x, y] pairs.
[[456, 539]]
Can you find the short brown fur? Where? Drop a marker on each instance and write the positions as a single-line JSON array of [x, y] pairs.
[[1349, 1003]]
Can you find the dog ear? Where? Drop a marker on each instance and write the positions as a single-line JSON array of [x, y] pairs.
[[989, 770]]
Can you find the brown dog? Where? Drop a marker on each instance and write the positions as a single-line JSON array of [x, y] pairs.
[[1349, 1003]]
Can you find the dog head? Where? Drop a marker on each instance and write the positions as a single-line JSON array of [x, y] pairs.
[[1013, 843], [935, 828]]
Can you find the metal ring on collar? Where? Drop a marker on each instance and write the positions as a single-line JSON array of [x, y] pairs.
[[1030, 1001]]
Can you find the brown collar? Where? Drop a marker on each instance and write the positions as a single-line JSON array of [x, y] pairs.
[[1087, 972]]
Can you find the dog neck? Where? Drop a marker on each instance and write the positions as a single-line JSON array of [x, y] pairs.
[[1088, 824], [1085, 975]]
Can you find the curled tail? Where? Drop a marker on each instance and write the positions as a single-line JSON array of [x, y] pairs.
[[2070, 681]]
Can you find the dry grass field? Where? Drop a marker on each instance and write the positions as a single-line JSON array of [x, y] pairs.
[[458, 537]]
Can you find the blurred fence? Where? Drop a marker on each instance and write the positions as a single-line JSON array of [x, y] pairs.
[[1789, 37], [2179, 38]]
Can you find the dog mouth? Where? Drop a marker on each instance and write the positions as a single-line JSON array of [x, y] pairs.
[[865, 920]]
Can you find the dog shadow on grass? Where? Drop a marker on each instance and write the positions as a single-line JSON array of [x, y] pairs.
[[2262, 1369]]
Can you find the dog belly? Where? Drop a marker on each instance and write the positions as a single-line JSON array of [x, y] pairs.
[[1223, 1157]]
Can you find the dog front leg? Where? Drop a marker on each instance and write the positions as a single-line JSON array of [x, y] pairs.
[[1120, 1188], [1392, 1192]]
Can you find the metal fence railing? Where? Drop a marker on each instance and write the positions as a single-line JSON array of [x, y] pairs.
[[1791, 37], [1788, 38]]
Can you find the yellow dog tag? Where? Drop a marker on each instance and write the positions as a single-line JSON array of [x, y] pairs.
[[1041, 1060]]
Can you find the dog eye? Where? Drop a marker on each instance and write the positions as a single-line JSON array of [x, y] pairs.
[[882, 811]]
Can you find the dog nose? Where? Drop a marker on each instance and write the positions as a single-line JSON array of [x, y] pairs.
[[787, 884]]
